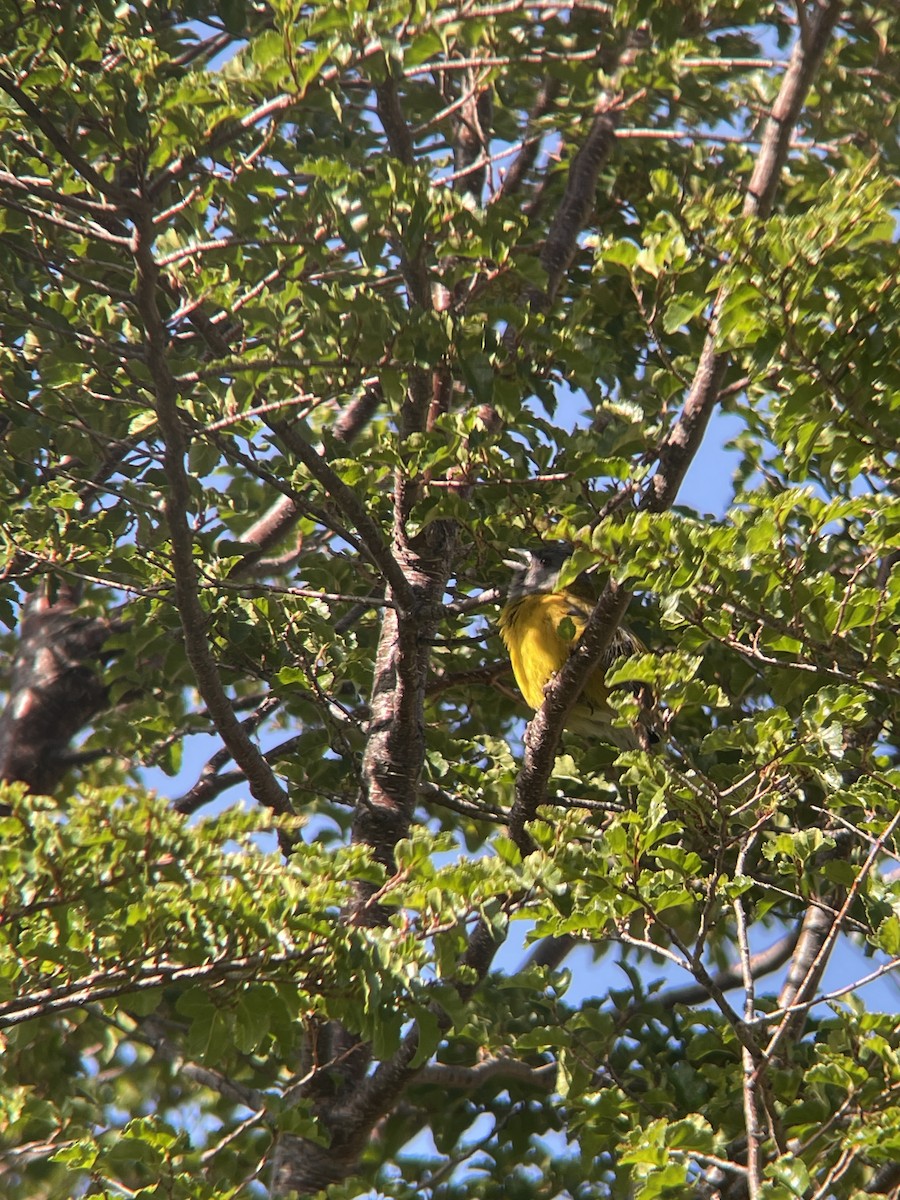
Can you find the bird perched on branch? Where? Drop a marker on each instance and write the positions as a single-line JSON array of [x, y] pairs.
[[539, 625]]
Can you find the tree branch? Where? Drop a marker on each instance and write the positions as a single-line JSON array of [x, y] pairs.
[[38, 116], [284, 513], [442, 1075], [352, 508], [472, 135], [677, 451], [55, 690], [760, 964], [402, 147], [818, 937], [525, 159], [382, 1089], [211, 781], [579, 197], [133, 978], [260, 778], [150, 1030], [544, 731], [40, 189]]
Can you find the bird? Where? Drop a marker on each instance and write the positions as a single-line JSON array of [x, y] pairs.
[[530, 627]]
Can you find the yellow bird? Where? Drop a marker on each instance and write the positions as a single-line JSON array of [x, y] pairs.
[[530, 624]]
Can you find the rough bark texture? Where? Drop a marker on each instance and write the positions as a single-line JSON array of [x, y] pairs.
[[55, 690]]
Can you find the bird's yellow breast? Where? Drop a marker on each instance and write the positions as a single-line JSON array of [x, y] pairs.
[[530, 631]]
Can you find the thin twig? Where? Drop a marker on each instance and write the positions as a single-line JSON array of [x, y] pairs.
[[351, 506], [748, 1065]]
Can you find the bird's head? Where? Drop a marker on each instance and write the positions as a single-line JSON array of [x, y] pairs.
[[536, 571]]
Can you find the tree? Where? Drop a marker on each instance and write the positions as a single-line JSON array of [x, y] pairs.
[[298, 300]]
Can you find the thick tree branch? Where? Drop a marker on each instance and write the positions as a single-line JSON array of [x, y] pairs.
[[395, 749], [544, 731], [802, 68], [393, 122], [886, 1181], [802, 978], [680, 446], [550, 952], [580, 195], [472, 136], [416, 571], [391, 770], [377, 1094], [442, 1075], [357, 415], [266, 531], [55, 690]]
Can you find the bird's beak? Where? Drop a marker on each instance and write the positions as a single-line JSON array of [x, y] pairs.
[[521, 561]]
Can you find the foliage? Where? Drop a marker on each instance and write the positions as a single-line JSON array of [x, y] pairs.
[[299, 303]]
